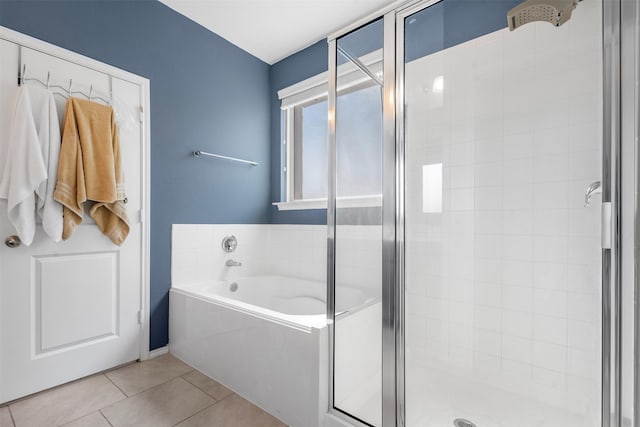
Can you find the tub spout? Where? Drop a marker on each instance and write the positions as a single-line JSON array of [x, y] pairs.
[[233, 263]]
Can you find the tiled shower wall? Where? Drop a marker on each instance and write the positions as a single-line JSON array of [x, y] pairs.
[[503, 277]]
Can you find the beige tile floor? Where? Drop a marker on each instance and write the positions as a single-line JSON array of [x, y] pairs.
[[156, 393]]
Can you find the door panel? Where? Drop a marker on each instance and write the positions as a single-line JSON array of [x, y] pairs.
[[70, 309]]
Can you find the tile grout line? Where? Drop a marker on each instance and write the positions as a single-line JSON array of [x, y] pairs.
[[203, 409], [105, 417], [142, 391], [126, 396], [11, 416], [202, 390]]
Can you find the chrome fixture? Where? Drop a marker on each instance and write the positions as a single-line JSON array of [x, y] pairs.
[[592, 189], [199, 153], [229, 243], [12, 241], [233, 286], [233, 263], [556, 12], [461, 422]]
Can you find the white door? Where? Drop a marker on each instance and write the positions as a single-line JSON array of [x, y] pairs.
[[70, 309]]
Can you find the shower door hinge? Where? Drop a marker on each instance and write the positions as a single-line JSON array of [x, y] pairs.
[[606, 225]]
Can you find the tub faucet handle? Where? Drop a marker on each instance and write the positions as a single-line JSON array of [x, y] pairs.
[[233, 263]]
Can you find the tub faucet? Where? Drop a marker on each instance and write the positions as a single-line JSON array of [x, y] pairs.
[[233, 263]]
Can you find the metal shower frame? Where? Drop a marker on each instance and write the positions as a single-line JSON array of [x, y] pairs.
[[621, 39]]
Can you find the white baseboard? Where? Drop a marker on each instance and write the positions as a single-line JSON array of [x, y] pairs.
[[158, 352]]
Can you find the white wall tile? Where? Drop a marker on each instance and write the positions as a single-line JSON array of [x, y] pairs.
[[517, 298], [489, 174], [550, 329], [517, 197], [518, 146], [488, 342], [517, 273], [550, 356], [517, 222], [461, 336], [582, 307], [488, 270], [581, 363], [488, 198], [517, 349], [519, 171], [488, 318], [516, 369], [551, 141], [551, 276], [517, 323], [550, 303], [582, 335], [549, 378], [551, 195], [462, 313], [551, 168], [518, 247], [488, 246]]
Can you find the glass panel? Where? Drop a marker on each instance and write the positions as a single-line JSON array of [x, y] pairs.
[[312, 146], [358, 283], [360, 142], [503, 136]]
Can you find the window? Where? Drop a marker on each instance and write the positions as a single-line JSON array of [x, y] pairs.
[[358, 135]]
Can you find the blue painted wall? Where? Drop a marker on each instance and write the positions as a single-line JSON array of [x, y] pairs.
[[205, 94], [452, 22]]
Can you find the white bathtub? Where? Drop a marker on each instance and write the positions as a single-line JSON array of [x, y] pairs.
[[263, 337]]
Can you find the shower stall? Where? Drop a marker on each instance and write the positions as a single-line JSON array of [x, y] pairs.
[[489, 153]]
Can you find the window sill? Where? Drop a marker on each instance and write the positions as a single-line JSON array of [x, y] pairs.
[[342, 202]]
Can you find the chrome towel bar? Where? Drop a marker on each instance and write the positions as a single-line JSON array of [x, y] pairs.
[[204, 153]]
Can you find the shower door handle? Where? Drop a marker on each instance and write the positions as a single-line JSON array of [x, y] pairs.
[[592, 189]]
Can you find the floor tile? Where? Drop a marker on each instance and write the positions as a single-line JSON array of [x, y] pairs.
[[95, 419], [5, 417], [206, 384], [137, 377], [163, 405], [66, 403], [234, 411]]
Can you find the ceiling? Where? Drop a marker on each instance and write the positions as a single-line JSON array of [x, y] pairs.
[[274, 29]]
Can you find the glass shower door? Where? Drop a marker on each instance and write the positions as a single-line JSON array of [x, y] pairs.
[[502, 257], [357, 222]]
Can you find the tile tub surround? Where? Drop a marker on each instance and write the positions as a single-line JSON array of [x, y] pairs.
[[160, 392], [503, 283], [285, 250]]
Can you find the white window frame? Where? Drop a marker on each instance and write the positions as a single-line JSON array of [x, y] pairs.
[[315, 89]]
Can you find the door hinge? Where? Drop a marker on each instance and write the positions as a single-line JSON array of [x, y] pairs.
[[606, 225], [141, 114], [139, 317]]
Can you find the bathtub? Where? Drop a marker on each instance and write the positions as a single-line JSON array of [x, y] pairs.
[[263, 337]]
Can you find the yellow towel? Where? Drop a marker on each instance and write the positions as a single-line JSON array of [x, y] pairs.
[[89, 169]]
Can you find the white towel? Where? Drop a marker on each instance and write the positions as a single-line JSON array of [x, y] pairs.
[[49, 211], [32, 128]]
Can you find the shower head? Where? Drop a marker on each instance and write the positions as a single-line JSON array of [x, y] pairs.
[[556, 12]]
